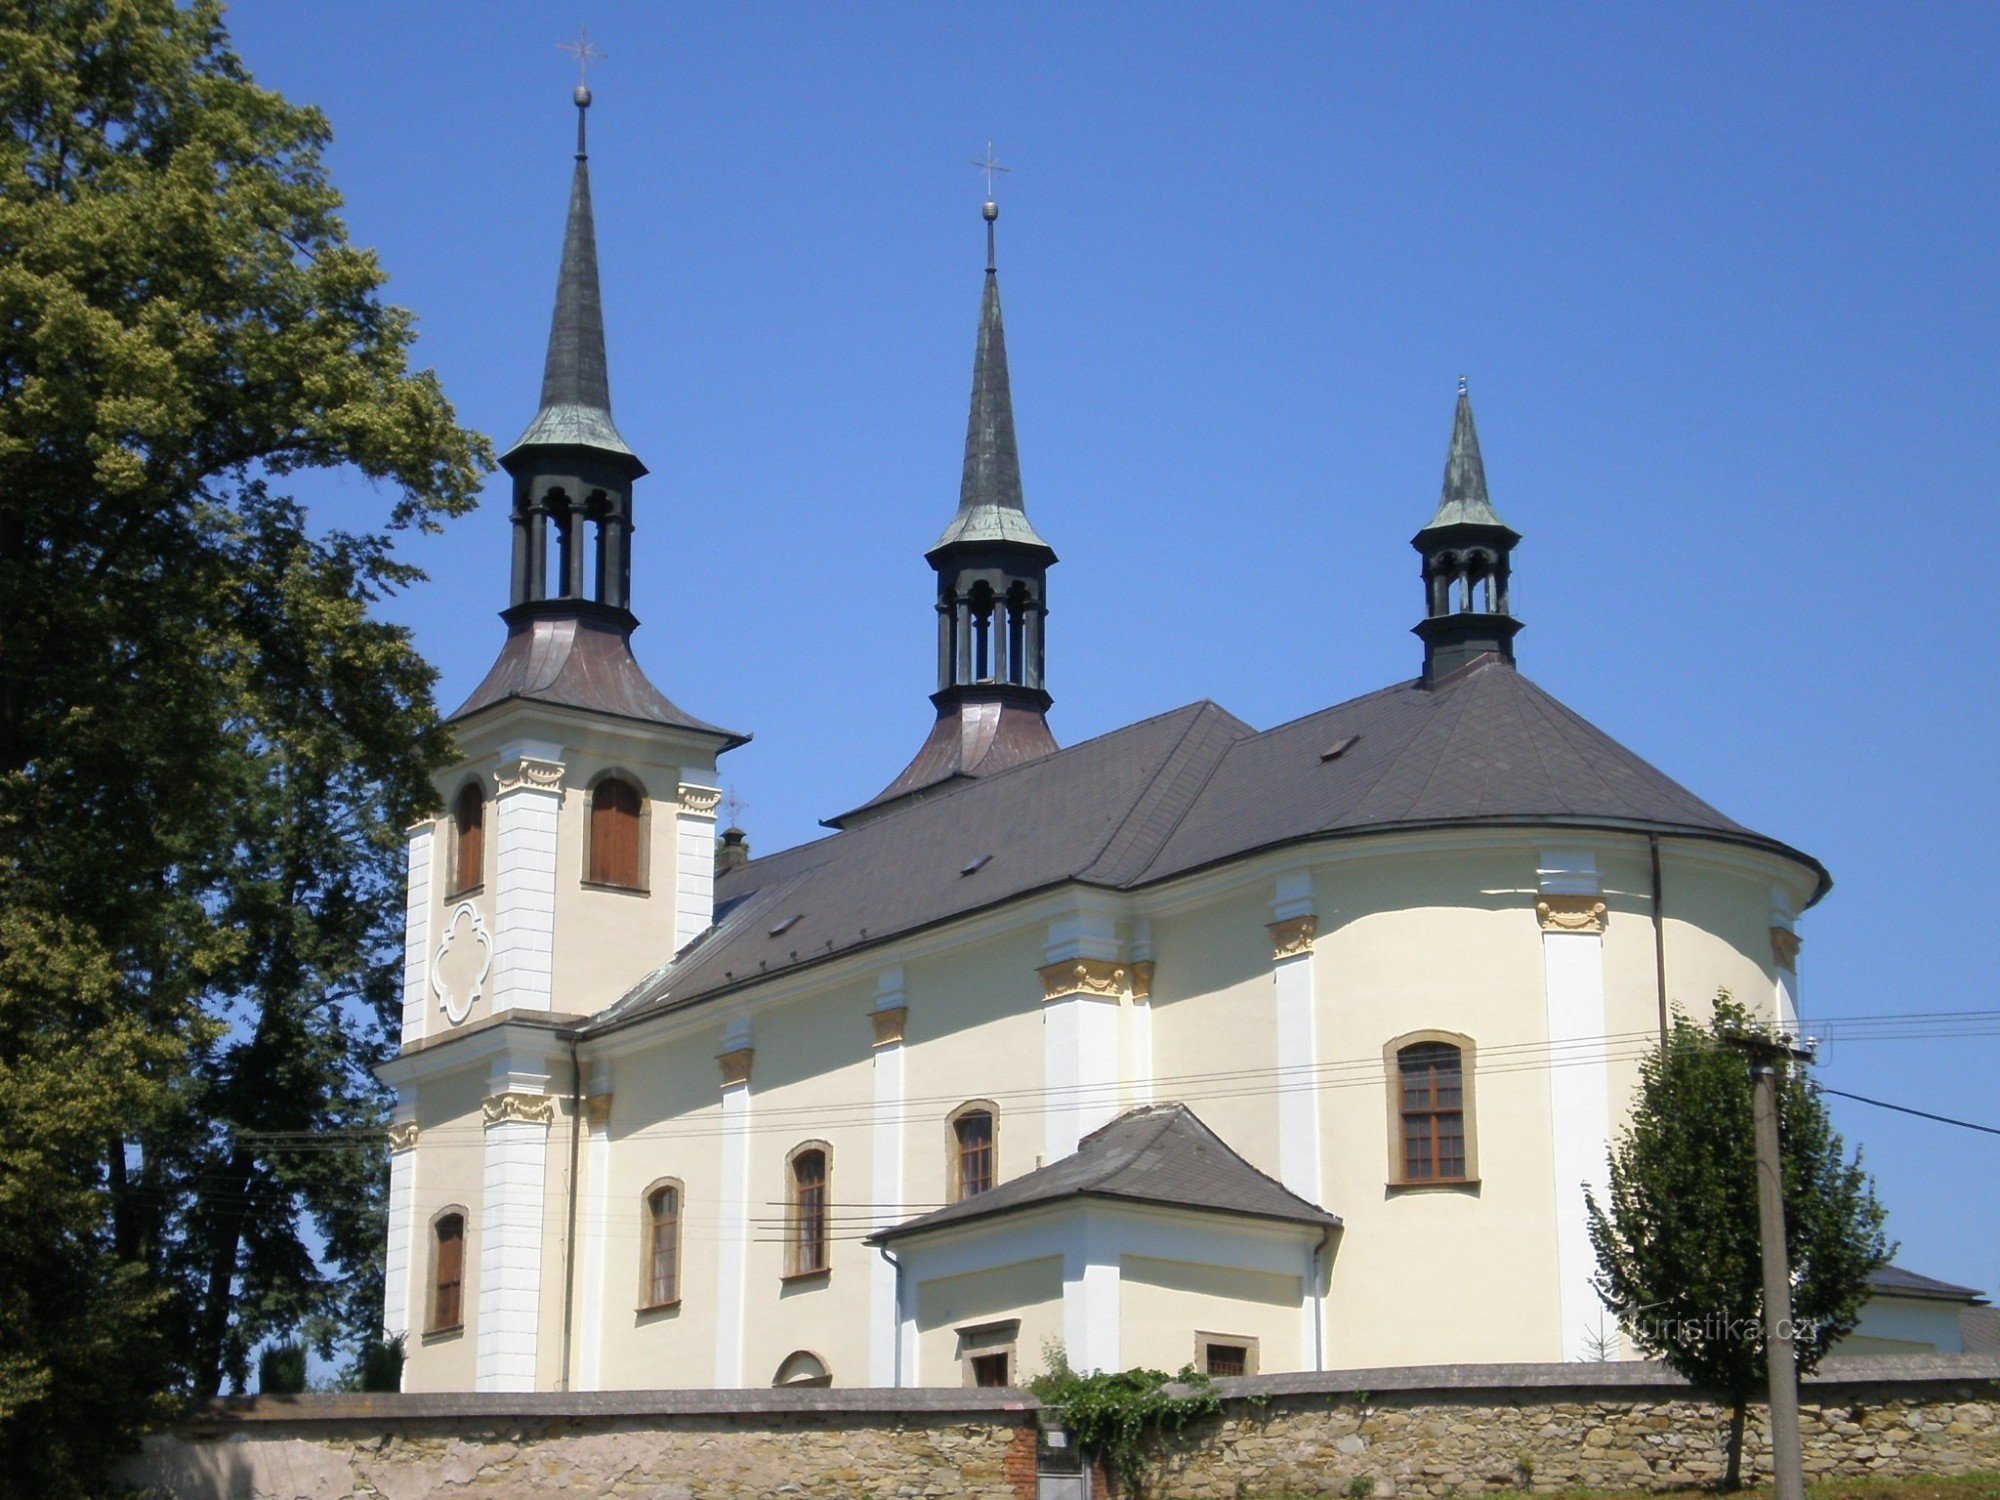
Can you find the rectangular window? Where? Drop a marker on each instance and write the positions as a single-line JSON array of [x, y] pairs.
[[808, 1213], [663, 1214], [989, 1369], [1432, 1082], [1223, 1354], [448, 1267], [975, 1153]]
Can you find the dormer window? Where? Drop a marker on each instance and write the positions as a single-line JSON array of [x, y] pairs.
[[616, 813], [468, 840]]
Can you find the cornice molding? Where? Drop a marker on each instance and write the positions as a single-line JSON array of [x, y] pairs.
[[1292, 938], [1584, 914], [403, 1136], [699, 801], [518, 1109], [1096, 977], [530, 774], [1142, 980]]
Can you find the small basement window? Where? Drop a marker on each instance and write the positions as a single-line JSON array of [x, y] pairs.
[[1221, 1354], [990, 1369]]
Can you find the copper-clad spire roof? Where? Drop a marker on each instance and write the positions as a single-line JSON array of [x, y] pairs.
[[989, 493], [1463, 501], [576, 382]]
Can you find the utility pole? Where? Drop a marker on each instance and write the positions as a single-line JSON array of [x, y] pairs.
[[1787, 1461]]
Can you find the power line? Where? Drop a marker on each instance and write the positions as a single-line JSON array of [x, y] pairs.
[[1904, 1109]]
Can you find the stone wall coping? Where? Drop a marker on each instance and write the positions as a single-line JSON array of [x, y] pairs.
[[1497, 1383]]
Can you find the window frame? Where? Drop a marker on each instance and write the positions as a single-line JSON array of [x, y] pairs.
[[433, 1329], [794, 1270], [641, 883], [954, 1148], [456, 885], [648, 1225], [1203, 1342], [1399, 1179], [977, 1341]]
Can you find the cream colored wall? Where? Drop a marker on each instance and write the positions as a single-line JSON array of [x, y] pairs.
[[1162, 1304], [1214, 1012], [1443, 940], [451, 1169], [974, 1031], [1029, 1290], [664, 1122]]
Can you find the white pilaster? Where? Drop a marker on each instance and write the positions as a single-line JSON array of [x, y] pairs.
[[1139, 1019], [1785, 959], [417, 931], [1572, 918], [525, 814], [518, 1114], [1293, 928], [399, 1248], [1080, 1024], [733, 1207], [597, 1227], [886, 1170], [1090, 1301], [694, 862]]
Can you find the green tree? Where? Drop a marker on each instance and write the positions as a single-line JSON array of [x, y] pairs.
[[205, 740], [1677, 1248]]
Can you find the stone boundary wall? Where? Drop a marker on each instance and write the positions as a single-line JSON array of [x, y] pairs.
[[1431, 1431]]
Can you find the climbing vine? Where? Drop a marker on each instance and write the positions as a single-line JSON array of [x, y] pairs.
[[1117, 1416]]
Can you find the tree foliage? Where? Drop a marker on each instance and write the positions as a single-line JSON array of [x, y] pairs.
[[1119, 1417], [1677, 1248], [206, 740]]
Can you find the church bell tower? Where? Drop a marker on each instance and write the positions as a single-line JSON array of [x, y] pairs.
[[992, 596], [1468, 563]]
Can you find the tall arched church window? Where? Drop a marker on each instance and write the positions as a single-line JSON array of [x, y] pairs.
[[468, 839], [972, 1151], [615, 815], [806, 1244], [662, 1286], [447, 1273], [1430, 1078]]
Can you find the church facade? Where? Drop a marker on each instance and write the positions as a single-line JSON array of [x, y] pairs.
[[1192, 1043]]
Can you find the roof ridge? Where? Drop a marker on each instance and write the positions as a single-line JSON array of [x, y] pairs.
[[1138, 877], [1161, 782], [1242, 1161]]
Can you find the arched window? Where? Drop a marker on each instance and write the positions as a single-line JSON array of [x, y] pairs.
[[447, 1272], [662, 1280], [1430, 1110], [805, 1245], [468, 840], [972, 1168], [615, 813], [802, 1367]]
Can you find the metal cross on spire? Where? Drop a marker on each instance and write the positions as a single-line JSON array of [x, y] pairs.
[[989, 167], [585, 54], [735, 807]]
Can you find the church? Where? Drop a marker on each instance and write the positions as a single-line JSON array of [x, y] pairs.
[[1259, 1050]]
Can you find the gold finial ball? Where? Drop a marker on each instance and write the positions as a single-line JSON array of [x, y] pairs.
[[991, 210], [582, 97]]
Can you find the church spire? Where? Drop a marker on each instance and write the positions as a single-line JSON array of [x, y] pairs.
[[572, 471], [992, 593], [1467, 551]]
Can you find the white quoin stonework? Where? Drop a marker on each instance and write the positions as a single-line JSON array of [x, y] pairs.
[[1572, 914], [1293, 927], [886, 1018], [517, 1115], [1080, 1023], [733, 1206], [694, 862], [399, 1248], [524, 895], [417, 932]]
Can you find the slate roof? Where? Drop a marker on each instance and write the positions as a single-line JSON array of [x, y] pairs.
[[1173, 794], [573, 658], [969, 738], [1894, 1281], [1161, 1154]]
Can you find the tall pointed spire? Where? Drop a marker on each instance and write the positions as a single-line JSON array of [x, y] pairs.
[[992, 595], [1468, 563], [989, 490], [576, 380]]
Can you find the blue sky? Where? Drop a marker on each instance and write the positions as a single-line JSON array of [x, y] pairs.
[[1722, 278]]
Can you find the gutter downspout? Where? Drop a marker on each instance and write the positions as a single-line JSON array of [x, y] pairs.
[[569, 1238], [896, 1318], [1319, 1303], [1659, 936]]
